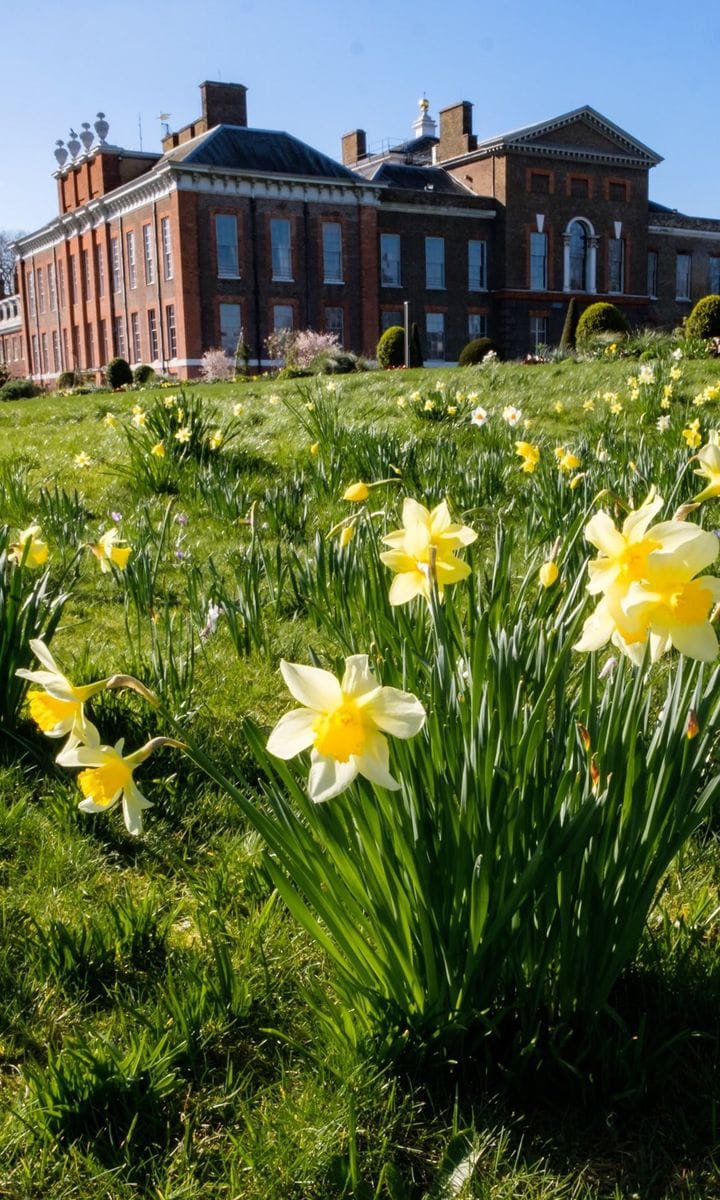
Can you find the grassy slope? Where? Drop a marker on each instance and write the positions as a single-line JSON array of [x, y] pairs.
[[162, 979]]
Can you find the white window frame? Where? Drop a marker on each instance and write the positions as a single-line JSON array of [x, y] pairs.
[[278, 311], [153, 335], [616, 246], [167, 247], [435, 263], [333, 324], [148, 255], [131, 259], [332, 241], [538, 332], [230, 330], [281, 249], [135, 347], [477, 325]]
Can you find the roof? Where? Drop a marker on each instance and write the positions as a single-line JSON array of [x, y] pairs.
[[420, 179], [263, 151]]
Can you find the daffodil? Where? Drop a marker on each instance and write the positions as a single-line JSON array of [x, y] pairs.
[[139, 419], [347, 533], [530, 455], [108, 553], [110, 420], [60, 708], [237, 409], [315, 448], [663, 423], [158, 450], [216, 439], [677, 611], [479, 415], [548, 573], [108, 777], [423, 551], [511, 414], [692, 434], [709, 460], [183, 434], [356, 492], [82, 460], [29, 548], [343, 724], [566, 460]]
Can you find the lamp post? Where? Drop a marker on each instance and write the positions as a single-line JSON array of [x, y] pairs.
[[406, 318]]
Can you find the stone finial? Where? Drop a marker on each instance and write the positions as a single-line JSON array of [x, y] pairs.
[[87, 137], [73, 144], [102, 128], [61, 153]]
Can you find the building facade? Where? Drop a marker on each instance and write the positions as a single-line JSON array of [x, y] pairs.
[[234, 232]]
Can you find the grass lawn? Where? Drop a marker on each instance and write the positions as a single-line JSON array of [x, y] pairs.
[[168, 1028]]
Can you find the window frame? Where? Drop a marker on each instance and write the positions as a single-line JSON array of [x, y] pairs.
[[227, 248], [332, 255], [434, 267], [390, 242], [281, 255]]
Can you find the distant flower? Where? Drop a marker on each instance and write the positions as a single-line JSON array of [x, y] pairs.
[[589, 406], [646, 374], [479, 415], [108, 777], [692, 434], [109, 554], [116, 516], [181, 518], [110, 420], [566, 460], [429, 405], [82, 460], [158, 450], [452, 410], [315, 448], [511, 414], [677, 354], [139, 418], [530, 455], [237, 409], [548, 573], [183, 434], [675, 373], [356, 492], [213, 614], [663, 424], [216, 439], [346, 535], [29, 547]]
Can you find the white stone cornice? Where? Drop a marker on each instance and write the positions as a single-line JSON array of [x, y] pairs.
[[197, 177], [711, 235], [440, 210]]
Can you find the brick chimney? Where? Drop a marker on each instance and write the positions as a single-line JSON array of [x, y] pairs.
[[354, 147], [456, 135], [223, 104]]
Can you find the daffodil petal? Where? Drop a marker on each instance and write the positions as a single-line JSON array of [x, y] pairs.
[[358, 678], [374, 763], [395, 712], [313, 687], [407, 586], [601, 532], [293, 733], [133, 803], [329, 777]]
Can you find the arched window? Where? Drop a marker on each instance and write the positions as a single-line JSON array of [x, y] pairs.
[[580, 256]]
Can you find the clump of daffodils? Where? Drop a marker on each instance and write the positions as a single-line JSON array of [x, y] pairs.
[[422, 553], [651, 587]]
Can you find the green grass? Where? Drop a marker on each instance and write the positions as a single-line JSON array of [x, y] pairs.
[[162, 1029]]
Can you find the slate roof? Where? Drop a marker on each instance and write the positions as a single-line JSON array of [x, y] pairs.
[[529, 134], [420, 179], [262, 151]]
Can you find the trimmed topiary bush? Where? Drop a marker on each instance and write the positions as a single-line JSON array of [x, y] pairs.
[[118, 373], [475, 351], [704, 320], [391, 348], [143, 374], [19, 389], [600, 318]]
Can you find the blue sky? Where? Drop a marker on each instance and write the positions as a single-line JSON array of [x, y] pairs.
[[319, 69]]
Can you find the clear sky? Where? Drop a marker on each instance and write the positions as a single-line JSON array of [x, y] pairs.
[[319, 69]]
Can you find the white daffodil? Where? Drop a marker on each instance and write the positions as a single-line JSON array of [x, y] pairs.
[[108, 777], [60, 708], [344, 725]]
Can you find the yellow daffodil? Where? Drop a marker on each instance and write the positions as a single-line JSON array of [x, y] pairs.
[[566, 460], [343, 724], [576, 480], [139, 419], [428, 406], [530, 455], [548, 573], [692, 434], [108, 777], [677, 611], [29, 548], [589, 406], [675, 373], [424, 549], [709, 460], [237, 409], [452, 410], [356, 492], [60, 708], [110, 420], [216, 439], [108, 553], [616, 408], [158, 450], [315, 448], [347, 533]]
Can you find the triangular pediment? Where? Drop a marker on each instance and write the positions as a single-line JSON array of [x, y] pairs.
[[580, 134]]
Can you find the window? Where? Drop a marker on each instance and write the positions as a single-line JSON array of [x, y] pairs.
[[391, 316], [115, 264], [119, 336], [682, 277], [61, 282], [87, 273], [171, 330], [477, 325], [74, 293], [435, 331], [477, 266], [166, 247], [390, 260], [579, 187], [131, 260], [52, 289], [153, 335], [56, 351], [100, 273], [135, 338], [41, 290], [616, 265], [230, 327], [714, 275], [282, 317], [538, 332], [617, 190], [540, 182], [76, 345], [148, 255], [31, 292], [44, 349], [91, 346], [335, 322], [281, 249], [332, 252], [434, 262], [652, 273], [104, 356], [538, 261], [226, 242], [578, 242], [35, 355], [66, 352]]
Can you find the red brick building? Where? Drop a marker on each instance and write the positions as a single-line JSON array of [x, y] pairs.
[[160, 257]]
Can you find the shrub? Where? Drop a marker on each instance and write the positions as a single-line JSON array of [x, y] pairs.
[[600, 318], [391, 348], [4, 374], [118, 373], [341, 362], [216, 366], [143, 374], [307, 345], [19, 389], [66, 380], [475, 351], [569, 333], [704, 320]]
